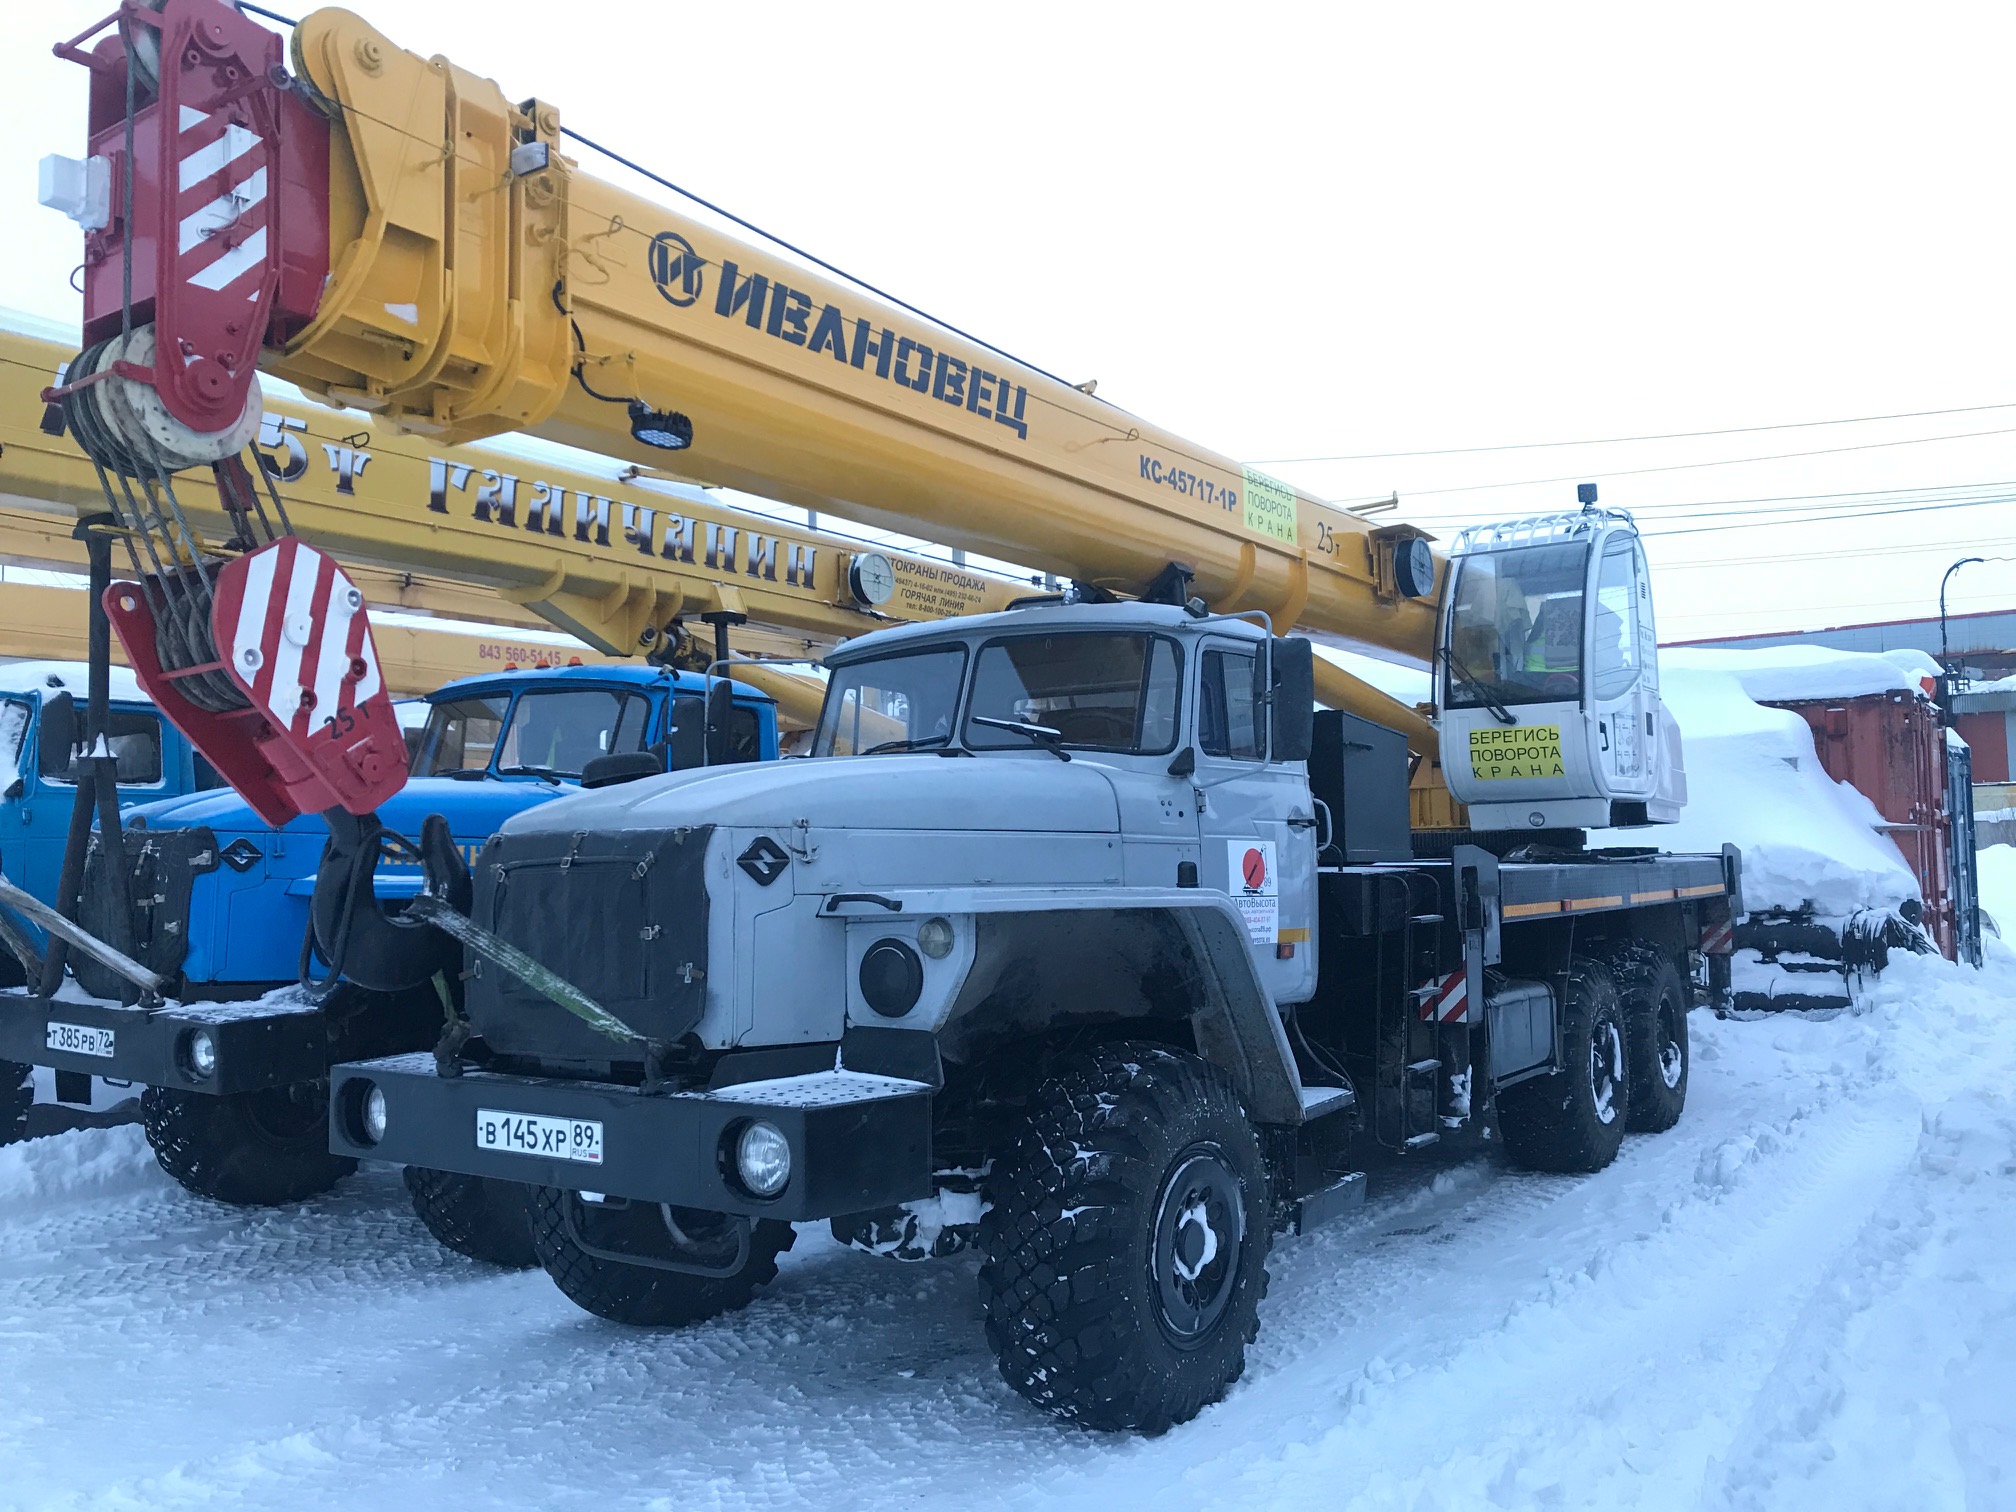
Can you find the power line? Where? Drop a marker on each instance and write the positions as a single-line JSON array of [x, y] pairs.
[[1636, 472], [1928, 491], [1734, 430]]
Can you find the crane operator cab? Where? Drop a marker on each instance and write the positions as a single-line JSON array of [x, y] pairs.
[[1547, 692]]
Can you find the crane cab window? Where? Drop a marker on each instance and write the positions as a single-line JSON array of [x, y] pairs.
[[556, 734], [1515, 626], [1229, 719], [135, 740], [905, 702], [1097, 692], [461, 736], [1614, 654]]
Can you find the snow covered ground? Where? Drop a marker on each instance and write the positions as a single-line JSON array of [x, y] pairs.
[[1803, 1297]]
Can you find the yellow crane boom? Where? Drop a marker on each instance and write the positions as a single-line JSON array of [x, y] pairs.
[[481, 283]]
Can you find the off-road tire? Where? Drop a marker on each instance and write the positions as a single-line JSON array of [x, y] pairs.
[[1574, 1120], [1078, 1315], [477, 1216], [640, 1295], [251, 1149], [17, 1096], [1656, 999]]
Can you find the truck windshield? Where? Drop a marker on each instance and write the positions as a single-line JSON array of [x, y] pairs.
[[904, 702], [1515, 627], [1104, 692], [550, 733], [558, 733], [461, 736]]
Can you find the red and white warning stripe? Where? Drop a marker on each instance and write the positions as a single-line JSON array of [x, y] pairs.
[[1446, 999], [221, 203], [1718, 939], [300, 632]]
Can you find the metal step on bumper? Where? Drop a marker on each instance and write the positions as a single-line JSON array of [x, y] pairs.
[[857, 1141], [218, 1048]]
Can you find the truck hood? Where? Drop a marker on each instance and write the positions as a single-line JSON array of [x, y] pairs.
[[473, 809], [1001, 793]]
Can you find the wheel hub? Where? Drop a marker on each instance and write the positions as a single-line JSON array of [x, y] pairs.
[[1194, 1258], [1606, 1069]]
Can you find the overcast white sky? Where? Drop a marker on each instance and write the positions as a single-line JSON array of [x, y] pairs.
[[1294, 231]]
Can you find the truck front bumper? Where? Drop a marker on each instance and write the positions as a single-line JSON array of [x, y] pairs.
[[255, 1044], [857, 1142]]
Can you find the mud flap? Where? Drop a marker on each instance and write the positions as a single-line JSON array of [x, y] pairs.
[[354, 932]]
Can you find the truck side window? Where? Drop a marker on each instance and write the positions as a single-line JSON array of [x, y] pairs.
[[745, 742], [461, 735], [207, 776], [1228, 718], [135, 740], [1613, 649]]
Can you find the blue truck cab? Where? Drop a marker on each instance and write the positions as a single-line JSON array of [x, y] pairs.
[[38, 789], [490, 747]]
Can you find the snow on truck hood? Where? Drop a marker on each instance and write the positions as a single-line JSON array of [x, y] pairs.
[[906, 792]]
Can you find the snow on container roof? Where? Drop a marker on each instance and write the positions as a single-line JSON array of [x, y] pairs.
[[1782, 674]]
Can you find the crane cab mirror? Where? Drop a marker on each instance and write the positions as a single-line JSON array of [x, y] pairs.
[[686, 742], [58, 737]]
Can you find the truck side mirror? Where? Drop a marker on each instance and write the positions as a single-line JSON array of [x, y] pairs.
[[1294, 699], [720, 704], [57, 742], [686, 746]]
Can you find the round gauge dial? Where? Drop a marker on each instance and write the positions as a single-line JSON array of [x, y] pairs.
[[872, 579]]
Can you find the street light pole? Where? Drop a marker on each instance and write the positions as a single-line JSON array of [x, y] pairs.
[[1945, 671]]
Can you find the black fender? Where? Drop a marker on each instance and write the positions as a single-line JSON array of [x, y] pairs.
[[355, 934]]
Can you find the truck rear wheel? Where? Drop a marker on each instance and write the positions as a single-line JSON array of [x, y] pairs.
[[477, 1216], [1655, 1022], [252, 1149], [637, 1291], [1574, 1120], [17, 1096], [1127, 1242]]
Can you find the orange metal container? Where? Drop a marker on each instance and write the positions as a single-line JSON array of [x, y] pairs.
[[1891, 747]]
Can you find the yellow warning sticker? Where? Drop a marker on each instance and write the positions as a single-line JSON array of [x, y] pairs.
[[1270, 506], [1506, 753]]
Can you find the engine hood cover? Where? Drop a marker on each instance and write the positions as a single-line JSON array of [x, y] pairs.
[[1024, 793]]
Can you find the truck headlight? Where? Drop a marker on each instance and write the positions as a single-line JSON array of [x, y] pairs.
[[367, 1102], [762, 1158], [892, 978], [199, 1054]]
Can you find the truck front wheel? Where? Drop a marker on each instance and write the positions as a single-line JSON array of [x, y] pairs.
[[252, 1149], [1126, 1248], [477, 1216], [650, 1265], [17, 1096], [1574, 1120]]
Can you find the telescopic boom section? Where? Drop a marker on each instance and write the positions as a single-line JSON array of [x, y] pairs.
[[479, 282]]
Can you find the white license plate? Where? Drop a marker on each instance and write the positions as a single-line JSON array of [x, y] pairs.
[[578, 1139], [79, 1039]]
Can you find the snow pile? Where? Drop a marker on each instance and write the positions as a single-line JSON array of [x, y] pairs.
[[1780, 674], [1996, 875], [1753, 779], [86, 1163]]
